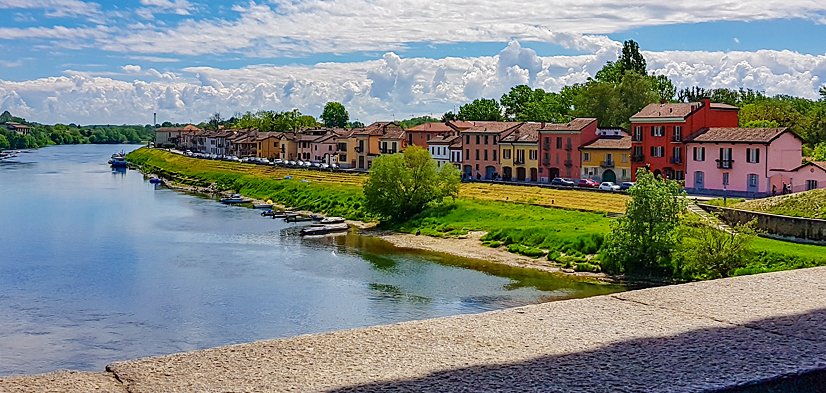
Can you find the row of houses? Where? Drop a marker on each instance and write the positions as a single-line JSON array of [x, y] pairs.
[[699, 143]]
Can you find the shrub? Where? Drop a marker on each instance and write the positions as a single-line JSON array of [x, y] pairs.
[[526, 251], [587, 267]]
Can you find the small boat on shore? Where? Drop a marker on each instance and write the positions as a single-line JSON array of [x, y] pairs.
[[266, 205], [332, 220], [323, 229], [276, 213], [155, 180], [118, 160], [235, 199], [297, 218]]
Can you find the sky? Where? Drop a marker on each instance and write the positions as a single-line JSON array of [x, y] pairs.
[[119, 62]]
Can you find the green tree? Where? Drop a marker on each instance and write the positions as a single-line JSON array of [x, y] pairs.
[[819, 153], [6, 117], [4, 143], [631, 58], [641, 242], [402, 184], [761, 124], [448, 116], [481, 109], [710, 252], [415, 121], [514, 101], [663, 87], [335, 115]]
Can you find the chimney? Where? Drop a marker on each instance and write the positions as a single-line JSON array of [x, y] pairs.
[[542, 125], [706, 102], [662, 102]]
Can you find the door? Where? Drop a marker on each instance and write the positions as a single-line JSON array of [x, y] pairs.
[[468, 171], [534, 175], [507, 173], [520, 174], [554, 173], [489, 171], [699, 180], [361, 162], [753, 183], [609, 175]]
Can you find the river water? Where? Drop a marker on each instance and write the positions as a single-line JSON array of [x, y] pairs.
[[98, 266]]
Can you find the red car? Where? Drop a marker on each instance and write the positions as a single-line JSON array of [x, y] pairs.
[[587, 183]]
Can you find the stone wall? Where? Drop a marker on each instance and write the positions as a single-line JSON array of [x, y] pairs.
[[796, 227]]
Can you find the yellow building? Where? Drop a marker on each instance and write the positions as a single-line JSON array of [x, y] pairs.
[[363, 146], [289, 147], [519, 153], [608, 158], [269, 145]]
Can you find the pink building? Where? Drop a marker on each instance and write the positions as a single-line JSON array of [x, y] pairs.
[[740, 161], [805, 177]]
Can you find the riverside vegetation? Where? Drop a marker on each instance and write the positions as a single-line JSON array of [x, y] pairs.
[[575, 235]]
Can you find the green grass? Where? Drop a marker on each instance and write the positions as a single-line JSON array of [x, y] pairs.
[[770, 255], [530, 226], [723, 202], [809, 204]]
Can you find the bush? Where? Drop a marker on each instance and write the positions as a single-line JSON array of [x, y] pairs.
[[526, 251]]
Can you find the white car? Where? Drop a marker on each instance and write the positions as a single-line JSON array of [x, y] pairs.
[[609, 186]]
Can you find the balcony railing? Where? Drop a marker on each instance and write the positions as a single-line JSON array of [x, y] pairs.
[[359, 150], [519, 162], [546, 146], [724, 164], [607, 164], [388, 151], [636, 138], [568, 147], [569, 163], [546, 162], [638, 158], [676, 139], [676, 160]]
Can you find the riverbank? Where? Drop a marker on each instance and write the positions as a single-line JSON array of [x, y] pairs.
[[745, 334]]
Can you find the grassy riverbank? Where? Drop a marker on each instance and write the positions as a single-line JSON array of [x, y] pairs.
[[513, 216]]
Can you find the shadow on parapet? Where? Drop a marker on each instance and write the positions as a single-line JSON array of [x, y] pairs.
[[786, 354]]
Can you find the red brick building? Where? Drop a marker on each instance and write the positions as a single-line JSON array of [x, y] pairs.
[[480, 140], [559, 147], [421, 134], [659, 132]]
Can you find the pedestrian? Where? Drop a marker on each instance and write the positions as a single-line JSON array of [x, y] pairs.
[[774, 190], [785, 190]]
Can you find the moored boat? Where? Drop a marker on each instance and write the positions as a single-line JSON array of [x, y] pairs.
[[296, 218], [237, 198], [118, 160], [323, 229], [266, 205]]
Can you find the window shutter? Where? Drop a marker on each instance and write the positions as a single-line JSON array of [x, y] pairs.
[[652, 130], [653, 154], [757, 155], [748, 155]]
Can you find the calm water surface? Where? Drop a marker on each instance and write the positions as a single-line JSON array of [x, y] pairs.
[[98, 266]]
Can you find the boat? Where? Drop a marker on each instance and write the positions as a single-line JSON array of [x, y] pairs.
[[332, 220], [118, 160], [275, 213], [266, 205], [296, 218], [155, 180], [237, 198], [323, 229]]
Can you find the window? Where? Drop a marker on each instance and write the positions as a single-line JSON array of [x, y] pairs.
[[410, 138], [494, 155], [506, 154], [677, 153], [486, 139], [428, 136], [559, 142], [467, 139], [557, 158], [679, 175], [725, 161], [678, 134], [478, 139], [725, 178], [625, 158], [586, 156], [520, 156], [753, 181], [811, 185], [625, 173], [699, 154], [532, 154], [467, 153], [753, 156], [638, 152], [477, 154], [494, 139], [637, 134], [486, 154], [657, 130], [657, 151]]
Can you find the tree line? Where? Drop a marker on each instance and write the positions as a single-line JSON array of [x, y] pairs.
[[62, 134]]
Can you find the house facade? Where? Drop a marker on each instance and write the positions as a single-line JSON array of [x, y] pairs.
[[289, 147], [608, 158], [420, 135], [659, 132], [480, 140], [364, 144], [741, 161], [440, 148], [17, 128], [519, 153], [166, 136], [269, 145], [558, 147], [808, 176]]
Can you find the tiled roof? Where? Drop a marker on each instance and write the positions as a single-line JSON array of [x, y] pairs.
[[525, 133], [268, 135], [574, 125], [486, 126], [678, 109], [610, 142], [444, 140], [431, 127], [393, 134], [187, 128], [736, 135]]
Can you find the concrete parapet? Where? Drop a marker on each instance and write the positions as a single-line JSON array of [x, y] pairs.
[[810, 229]]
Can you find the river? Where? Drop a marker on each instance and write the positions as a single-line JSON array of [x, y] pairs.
[[99, 265]]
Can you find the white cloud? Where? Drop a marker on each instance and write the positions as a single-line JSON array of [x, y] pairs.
[[57, 32], [180, 7], [55, 8], [131, 69], [378, 89]]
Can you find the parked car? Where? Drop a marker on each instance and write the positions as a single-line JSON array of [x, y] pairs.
[[609, 186], [587, 183], [558, 181], [626, 185]]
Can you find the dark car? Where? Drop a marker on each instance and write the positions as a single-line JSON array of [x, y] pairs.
[[558, 181], [587, 183], [626, 185]]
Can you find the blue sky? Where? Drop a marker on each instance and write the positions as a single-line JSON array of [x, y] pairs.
[[119, 62]]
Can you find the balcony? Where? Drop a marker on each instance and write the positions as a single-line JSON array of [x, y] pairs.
[[636, 138], [676, 139], [676, 160], [546, 162], [569, 163], [607, 164], [638, 158], [546, 146], [388, 151], [519, 162], [359, 150], [724, 164], [568, 147]]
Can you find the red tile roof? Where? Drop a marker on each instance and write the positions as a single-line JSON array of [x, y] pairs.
[[486, 126], [525, 133], [678, 109], [431, 127], [574, 125], [610, 142], [736, 135], [444, 140]]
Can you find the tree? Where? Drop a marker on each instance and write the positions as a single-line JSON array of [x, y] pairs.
[[819, 153], [514, 101], [631, 58], [663, 87], [4, 143], [6, 117], [402, 184], [761, 124], [481, 109], [335, 115], [448, 116], [711, 252], [215, 120], [641, 242]]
